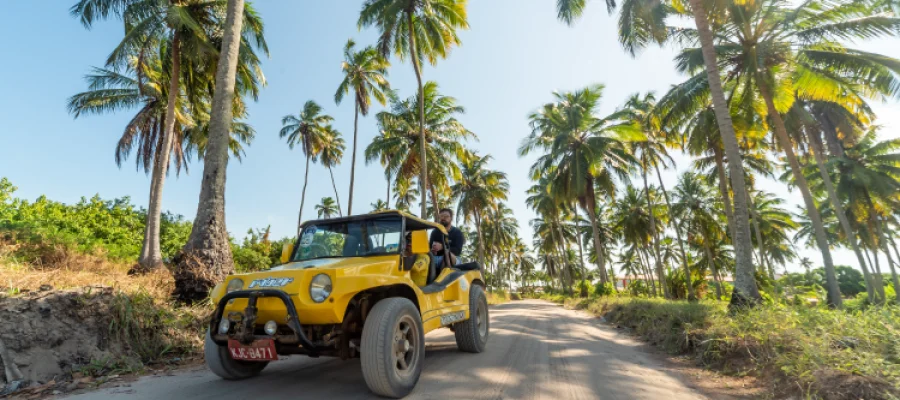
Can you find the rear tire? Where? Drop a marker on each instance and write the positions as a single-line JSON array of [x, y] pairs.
[[393, 347], [472, 334], [220, 362]]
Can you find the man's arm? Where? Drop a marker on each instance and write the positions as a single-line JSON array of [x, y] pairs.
[[457, 240]]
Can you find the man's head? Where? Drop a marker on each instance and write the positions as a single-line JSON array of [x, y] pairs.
[[446, 217]]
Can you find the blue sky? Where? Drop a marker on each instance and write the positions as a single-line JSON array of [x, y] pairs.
[[513, 57]]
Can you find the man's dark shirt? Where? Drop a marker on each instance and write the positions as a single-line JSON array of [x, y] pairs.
[[456, 239]]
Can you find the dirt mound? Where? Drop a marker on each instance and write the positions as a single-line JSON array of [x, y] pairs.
[[50, 334]]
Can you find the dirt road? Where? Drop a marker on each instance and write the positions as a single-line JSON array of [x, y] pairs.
[[536, 350]]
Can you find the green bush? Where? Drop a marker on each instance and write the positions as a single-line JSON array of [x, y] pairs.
[[113, 229], [604, 289]]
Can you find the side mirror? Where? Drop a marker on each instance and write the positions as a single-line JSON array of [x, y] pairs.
[[420, 242], [286, 252]]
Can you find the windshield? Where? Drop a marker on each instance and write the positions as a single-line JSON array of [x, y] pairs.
[[376, 236]]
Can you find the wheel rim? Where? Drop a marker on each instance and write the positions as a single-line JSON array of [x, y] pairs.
[[481, 319], [406, 345]]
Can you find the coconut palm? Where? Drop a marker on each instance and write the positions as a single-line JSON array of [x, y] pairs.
[[405, 194], [500, 227], [870, 178], [478, 190], [112, 90], [379, 205], [331, 153], [327, 208], [364, 73], [444, 136], [582, 149], [818, 119], [553, 230], [652, 152], [182, 32], [418, 29], [697, 206], [206, 257], [642, 23], [785, 52], [634, 221], [774, 224], [309, 130]]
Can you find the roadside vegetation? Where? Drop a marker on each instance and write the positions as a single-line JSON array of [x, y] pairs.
[[811, 352]]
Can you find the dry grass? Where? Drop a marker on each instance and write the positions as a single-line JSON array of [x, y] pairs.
[[69, 270]]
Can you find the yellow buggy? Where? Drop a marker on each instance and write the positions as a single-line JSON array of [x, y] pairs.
[[361, 286]]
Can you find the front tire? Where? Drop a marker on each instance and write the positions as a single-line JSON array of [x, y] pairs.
[[220, 362], [472, 334], [393, 347]]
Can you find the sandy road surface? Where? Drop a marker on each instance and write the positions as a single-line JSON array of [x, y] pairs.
[[536, 350]]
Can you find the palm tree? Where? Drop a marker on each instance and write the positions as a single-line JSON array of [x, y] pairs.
[[396, 145], [828, 119], [640, 24], [653, 153], [870, 178], [405, 194], [309, 130], [331, 153], [418, 29], [634, 221], [364, 72], [764, 40], [773, 225], [696, 205], [327, 208], [478, 190], [379, 205], [179, 31], [583, 150], [206, 258]]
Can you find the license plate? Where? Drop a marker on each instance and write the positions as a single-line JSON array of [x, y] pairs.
[[259, 350]]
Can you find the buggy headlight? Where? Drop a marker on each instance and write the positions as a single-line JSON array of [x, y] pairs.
[[234, 284], [320, 288]]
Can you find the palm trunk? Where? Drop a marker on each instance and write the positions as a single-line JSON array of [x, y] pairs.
[[480, 237], [387, 196], [897, 253], [303, 193], [839, 211], [745, 290], [884, 247], [659, 268], [834, 292], [645, 265], [595, 231], [712, 269], [580, 250], [723, 189], [676, 227], [206, 258], [151, 255], [414, 55], [352, 163], [754, 219], [434, 203], [877, 278], [564, 261], [337, 198]]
